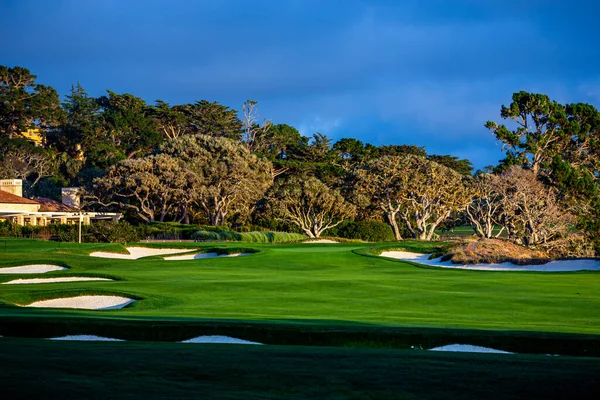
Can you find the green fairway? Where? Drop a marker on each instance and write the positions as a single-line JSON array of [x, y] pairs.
[[351, 324], [310, 282]]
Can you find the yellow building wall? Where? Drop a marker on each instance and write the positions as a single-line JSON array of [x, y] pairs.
[[33, 135], [19, 207]]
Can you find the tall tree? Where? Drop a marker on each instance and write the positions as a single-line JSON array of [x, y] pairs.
[[24, 104], [228, 178], [256, 136], [80, 130], [531, 211], [538, 134], [213, 119], [462, 166], [172, 121], [153, 187], [127, 123], [350, 152], [421, 193], [21, 160], [485, 210], [309, 204]]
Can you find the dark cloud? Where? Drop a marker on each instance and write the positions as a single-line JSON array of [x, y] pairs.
[[426, 73]]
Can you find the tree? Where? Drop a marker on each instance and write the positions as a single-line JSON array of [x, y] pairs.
[[530, 211], [283, 142], [24, 104], [172, 121], [561, 145], [255, 136], [228, 179], [213, 119], [462, 166], [319, 149], [485, 210], [127, 123], [538, 133], [400, 150], [420, 192], [350, 151], [79, 131], [21, 160], [309, 204], [153, 187]]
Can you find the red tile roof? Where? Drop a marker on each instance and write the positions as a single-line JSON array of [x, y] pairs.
[[9, 198], [49, 205]]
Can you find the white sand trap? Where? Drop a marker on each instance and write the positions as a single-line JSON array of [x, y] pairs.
[[86, 338], [218, 339], [199, 256], [320, 241], [31, 269], [552, 266], [53, 280], [138, 252], [85, 302], [467, 348]]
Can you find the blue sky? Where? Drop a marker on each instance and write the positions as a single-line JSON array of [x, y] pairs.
[[428, 73]]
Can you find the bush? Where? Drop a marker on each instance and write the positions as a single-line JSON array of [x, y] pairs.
[[371, 231], [8, 229], [271, 237], [168, 230], [111, 232], [249, 237]]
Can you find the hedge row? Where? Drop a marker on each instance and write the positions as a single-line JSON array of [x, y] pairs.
[[98, 232], [249, 237]]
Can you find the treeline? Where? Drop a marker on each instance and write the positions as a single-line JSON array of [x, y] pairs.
[[206, 163]]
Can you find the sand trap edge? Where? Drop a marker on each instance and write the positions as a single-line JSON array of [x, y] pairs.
[[86, 338], [203, 256], [217, 339], [54, 280], [31, 269], [85, 302], [468, 348]]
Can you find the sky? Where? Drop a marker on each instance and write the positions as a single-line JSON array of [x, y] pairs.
[[420, 72]]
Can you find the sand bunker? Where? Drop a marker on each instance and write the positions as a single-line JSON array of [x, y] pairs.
[[199, 256], [53, 280], [218, 339], [320, 241], [138, 252], [85, 338], [85, 302], [552, 266], [467, 348], [31, 269]]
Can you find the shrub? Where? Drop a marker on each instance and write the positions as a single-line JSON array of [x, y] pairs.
[[111, 232], [249, 237], [204, 235], [371, 231], [8, 229]]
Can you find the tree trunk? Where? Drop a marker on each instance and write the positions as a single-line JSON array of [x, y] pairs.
[[391, 217]]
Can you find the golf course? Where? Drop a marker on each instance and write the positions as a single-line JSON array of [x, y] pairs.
[[335, 319]]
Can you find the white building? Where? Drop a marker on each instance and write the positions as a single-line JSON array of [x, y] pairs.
[[22, 211]]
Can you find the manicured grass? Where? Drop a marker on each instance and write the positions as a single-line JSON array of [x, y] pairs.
[[302, 299], [47, 369], [308, 283]]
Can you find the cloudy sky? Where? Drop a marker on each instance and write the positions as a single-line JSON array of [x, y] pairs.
[[422, 72]]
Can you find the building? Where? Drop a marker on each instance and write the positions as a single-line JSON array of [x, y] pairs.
[[42, 212], [34, 136]]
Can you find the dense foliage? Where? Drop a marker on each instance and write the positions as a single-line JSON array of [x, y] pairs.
[[208, 164]]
